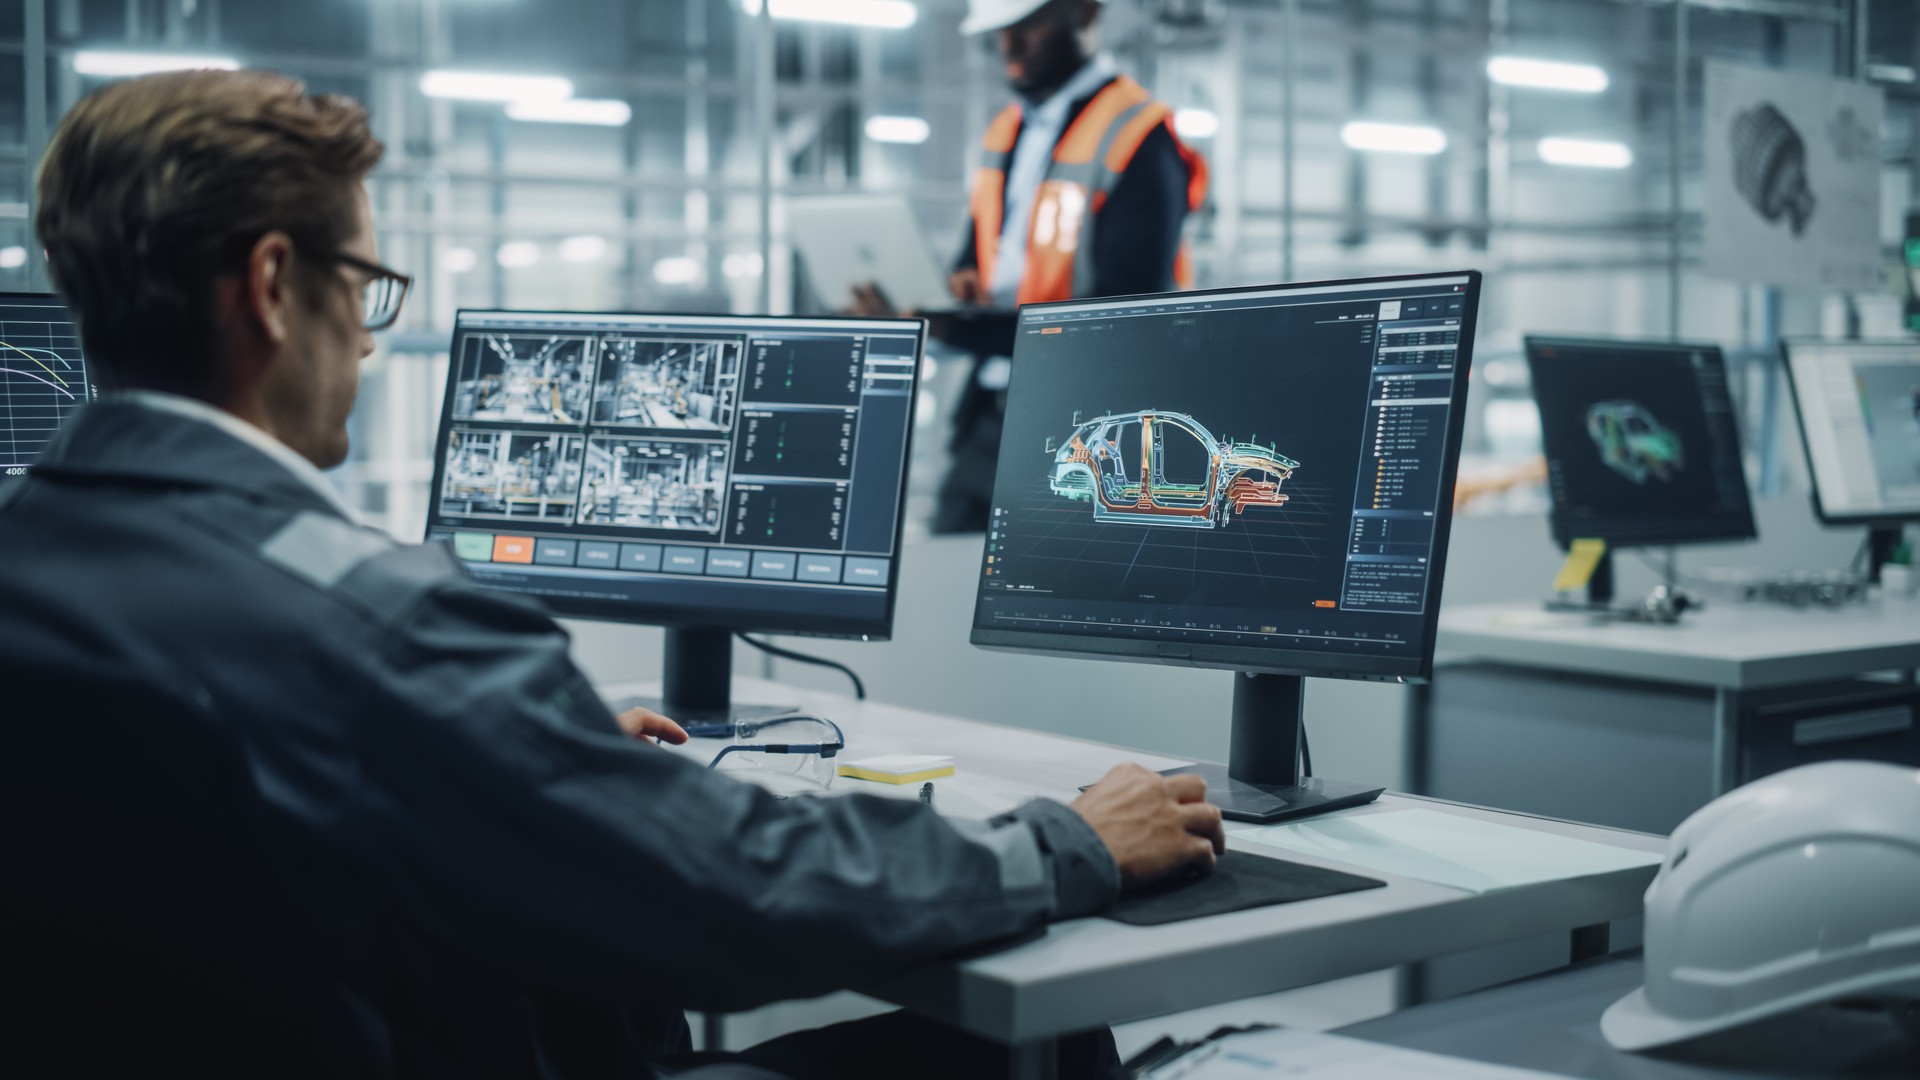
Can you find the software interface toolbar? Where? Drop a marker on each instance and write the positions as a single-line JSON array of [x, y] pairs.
[[731, 464], [43, 376], [1258, 468], [1641, 441], [1860, 408]]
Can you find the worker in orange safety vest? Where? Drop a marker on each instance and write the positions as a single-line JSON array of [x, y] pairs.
[[1083, 191]]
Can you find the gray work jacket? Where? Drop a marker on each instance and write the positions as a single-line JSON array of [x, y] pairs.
[[501, 881]]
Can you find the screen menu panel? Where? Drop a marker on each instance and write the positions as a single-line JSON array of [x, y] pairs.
[[728, 464]]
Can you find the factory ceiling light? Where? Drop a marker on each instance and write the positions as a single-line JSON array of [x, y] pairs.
[[1589, 153], [883, 14], [595, 111], [583, 249], [13, 258], [494, 86], [1547, 75], [908, 130], [676, 270], [515, 254], [113, 64], [1393, 138]]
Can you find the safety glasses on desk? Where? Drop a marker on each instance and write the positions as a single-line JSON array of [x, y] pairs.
[[810, 761]]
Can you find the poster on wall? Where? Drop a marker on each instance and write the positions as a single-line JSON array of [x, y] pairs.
[[1792, 184]]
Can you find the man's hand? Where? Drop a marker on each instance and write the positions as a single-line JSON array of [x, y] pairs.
[[649, 725], [871, 301], [1152, 824], [966, 287]]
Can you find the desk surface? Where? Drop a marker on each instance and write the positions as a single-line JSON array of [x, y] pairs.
[[1552, 1023], [1732, 646], [1089, 972]]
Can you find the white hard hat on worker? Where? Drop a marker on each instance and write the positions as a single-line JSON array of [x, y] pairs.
[[986, 15]]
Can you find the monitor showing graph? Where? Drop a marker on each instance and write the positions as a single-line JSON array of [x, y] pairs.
[[42, 375]]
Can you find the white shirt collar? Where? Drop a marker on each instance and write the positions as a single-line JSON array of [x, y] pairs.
[[1094, 74], [302, 469]]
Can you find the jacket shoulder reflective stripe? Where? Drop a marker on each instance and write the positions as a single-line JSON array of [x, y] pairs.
[[322, 548]]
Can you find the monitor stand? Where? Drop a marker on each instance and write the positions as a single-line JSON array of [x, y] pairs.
[[698, 684], [1882, 542], [1261, 781]]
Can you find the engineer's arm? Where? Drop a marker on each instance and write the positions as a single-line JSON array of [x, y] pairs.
[[520, 824]]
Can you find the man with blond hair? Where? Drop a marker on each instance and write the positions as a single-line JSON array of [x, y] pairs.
[[460, 862]]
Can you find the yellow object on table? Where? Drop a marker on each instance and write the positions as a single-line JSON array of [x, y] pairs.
[[899, 768]]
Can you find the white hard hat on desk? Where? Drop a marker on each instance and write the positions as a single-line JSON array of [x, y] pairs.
[[985, 15], [1797, 889]]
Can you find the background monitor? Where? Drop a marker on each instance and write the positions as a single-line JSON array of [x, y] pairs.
[[1255, 479], [43, 377], [1859, 409], [708, 473], [1641, 442]]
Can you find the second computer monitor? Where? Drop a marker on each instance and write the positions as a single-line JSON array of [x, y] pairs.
[[1859, 407], [1641, 441]]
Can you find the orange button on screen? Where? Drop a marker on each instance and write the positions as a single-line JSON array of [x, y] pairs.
[[1316, 603], [513, 549]]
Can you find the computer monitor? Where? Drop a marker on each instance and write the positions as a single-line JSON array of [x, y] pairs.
[[1859, 409], [707, 473], [1641, 442], [43, 376], [1257, 479]]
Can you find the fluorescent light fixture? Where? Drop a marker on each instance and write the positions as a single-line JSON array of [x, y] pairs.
[[1547, 75], [1893, 73], [907, 130], [583, 249], [881, 14], [741, 264], [515, 254], [113, 64], [1196, 123], [595, 111], [458, 260], [676, 270], [1589, 153], [13, 258], [494, 86], [1393, 138]]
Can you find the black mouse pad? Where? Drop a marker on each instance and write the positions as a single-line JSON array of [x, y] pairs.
[[1239, 881]]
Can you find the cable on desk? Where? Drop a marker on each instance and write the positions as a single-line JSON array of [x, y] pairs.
[[859, 688]]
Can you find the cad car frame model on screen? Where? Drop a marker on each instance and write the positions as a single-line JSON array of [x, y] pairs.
[[713, 472], [1250, 479]]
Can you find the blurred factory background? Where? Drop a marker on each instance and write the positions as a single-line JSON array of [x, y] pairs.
[[1551, 143]]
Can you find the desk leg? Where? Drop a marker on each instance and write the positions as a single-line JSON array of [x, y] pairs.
[[1034, 1061], [713, 1031], [1726, 741], [1589, 943]]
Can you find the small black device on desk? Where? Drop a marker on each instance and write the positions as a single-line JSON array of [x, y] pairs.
[[1238, 882]]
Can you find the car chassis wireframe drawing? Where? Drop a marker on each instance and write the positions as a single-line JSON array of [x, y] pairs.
[[1094, 465], [1633, 443]]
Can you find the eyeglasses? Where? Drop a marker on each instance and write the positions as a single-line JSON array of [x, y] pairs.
[[380, 298], [812, 761]]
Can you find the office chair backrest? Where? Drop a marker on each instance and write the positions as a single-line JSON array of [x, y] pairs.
[[152, 928]]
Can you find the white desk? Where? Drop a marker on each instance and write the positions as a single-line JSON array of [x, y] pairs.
[[1089, 972], [1730, 648]]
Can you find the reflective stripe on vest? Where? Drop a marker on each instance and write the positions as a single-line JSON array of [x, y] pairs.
[[1088, 161]]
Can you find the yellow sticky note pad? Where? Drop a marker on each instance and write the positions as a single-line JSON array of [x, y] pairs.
[[1582, 559], [899, 768]]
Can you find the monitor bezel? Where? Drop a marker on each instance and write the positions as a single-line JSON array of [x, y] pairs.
[[1820, 511], [1563, 534], [1280, 661], [682, 615]]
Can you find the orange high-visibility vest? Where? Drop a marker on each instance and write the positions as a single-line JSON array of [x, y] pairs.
[[1088, 160]]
